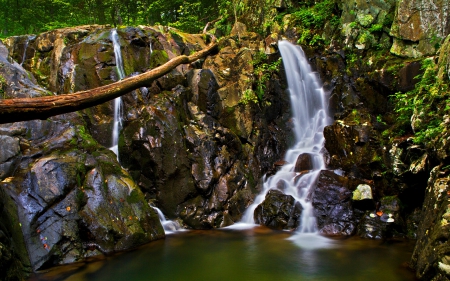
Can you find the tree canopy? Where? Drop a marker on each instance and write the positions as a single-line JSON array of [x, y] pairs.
[[28, 17]]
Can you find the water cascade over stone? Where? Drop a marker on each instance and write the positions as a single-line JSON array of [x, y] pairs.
[[305, 159], [24, 55], [168, 225], [118, 101]]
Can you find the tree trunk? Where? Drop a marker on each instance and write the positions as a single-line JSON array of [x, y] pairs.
[[23, 109]]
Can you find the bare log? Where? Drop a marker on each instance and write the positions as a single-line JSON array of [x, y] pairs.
[[24, 109]]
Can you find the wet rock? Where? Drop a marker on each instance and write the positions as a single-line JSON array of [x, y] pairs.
[[278, 211], [73, 198], [99, 209], [204, 91], [371, 226], [362, 198], [407, 76], [9, 150], [304, 162], [155, 154], [331, 200], [237, 205], [362, 192], [429, 257], [14, 261], [17, 82]]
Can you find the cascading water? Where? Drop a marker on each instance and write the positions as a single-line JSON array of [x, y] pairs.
[[24, 55], [118, 101], [168, 225], [310, 116]]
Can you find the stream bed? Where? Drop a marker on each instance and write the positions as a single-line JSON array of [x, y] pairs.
[[253, 254]]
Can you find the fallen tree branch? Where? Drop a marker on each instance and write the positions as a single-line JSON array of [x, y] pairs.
[[24, 109]]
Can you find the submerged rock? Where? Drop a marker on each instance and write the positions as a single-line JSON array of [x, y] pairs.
[[278, 211]]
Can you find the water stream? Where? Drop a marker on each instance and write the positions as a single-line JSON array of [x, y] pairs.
[[118, 101], [168, 225], [310, 116], [24, 55]]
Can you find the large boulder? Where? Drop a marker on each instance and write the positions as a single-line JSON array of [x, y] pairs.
[[419, 27], [332, 204], [74, 200], [278, 211], [352, 145]]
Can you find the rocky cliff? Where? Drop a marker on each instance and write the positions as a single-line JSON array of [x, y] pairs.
[[189, 145], [197, 141]]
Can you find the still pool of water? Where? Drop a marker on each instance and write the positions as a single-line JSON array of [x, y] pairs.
[[254, 254]]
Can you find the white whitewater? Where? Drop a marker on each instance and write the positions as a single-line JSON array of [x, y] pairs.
[[118, 101], [309, 104], [24, 55], [168, 225]]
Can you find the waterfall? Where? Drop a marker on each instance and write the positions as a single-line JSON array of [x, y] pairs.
[[168, 225], [310, 116], [118, 101], [24, 55]]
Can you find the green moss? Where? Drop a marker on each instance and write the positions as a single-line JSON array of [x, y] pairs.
[[158, 57], [134, 197], [84, 139], [109, 168], [3, 86]]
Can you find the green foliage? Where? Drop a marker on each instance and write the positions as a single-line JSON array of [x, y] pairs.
[[312, 20], [23, 16], [380, 120], [263, 70], [188, 19], [317, 15], [428, 102], [376, 28], [248, 96]]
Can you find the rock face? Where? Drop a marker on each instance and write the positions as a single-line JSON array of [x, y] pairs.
[[73, 198], [332, 204], [14, 261], [278, 211], [195, 146], [430, 257], [419, 27], [187, 143]]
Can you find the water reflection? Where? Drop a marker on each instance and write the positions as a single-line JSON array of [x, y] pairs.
[[252, 254], [312, 241]]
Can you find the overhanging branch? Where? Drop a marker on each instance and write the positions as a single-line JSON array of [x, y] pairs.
[[24, 109]]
